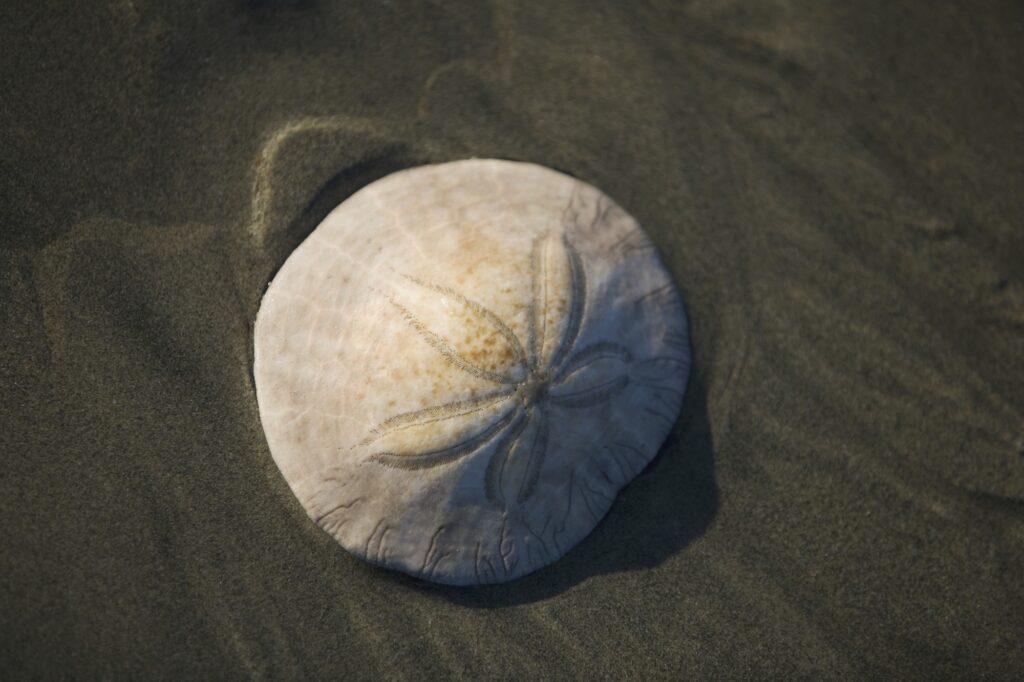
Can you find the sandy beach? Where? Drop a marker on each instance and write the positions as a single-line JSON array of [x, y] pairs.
[[836, 191]]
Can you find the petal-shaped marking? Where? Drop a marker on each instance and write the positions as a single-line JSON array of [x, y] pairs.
[[516, 464], [513, 341], [449, 353], [534, 450], [423, 459], [577, 302], [594, 353], [499, 460], [591, 395], [540, 301], [591, 376], [433, 415], [559, 294]]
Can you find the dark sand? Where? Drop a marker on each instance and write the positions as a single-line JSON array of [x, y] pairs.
[[839, 193]]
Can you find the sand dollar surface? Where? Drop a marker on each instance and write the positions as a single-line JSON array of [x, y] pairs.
[[462, 365]]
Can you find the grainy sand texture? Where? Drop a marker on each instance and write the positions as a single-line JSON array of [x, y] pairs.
[[836, 188]]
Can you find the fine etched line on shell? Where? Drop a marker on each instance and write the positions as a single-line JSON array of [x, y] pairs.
[[463, 364]]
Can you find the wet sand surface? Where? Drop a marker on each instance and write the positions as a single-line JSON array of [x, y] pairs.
[[837, 191]]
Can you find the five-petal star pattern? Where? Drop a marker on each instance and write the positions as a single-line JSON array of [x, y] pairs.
[[548, 373]]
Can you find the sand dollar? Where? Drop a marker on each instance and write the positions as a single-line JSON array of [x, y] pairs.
[[460, 367]]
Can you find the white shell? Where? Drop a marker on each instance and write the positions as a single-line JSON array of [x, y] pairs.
[[463, 364]]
